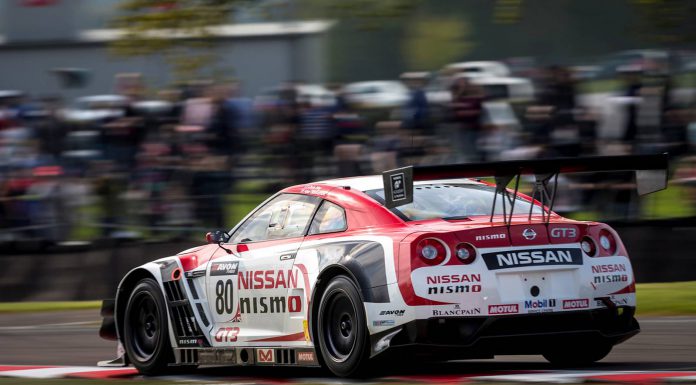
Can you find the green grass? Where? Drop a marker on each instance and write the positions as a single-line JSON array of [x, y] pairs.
[[673, 298], [672, 202], [17, 307]]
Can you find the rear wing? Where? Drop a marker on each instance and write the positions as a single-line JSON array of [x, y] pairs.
[[650, 172]]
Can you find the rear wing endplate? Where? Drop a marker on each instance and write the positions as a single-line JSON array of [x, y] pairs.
[[650, 173]]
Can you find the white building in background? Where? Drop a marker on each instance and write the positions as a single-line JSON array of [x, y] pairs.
[[39, 37]]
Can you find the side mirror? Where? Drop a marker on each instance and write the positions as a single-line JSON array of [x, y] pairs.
[[216, 236]]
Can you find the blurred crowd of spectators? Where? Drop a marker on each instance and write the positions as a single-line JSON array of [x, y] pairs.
[[119, 165]]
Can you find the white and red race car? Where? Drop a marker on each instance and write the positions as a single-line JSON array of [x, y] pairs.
[[339, 272]]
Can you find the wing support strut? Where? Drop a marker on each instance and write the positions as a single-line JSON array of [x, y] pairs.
[[546, 194], [507, 197]]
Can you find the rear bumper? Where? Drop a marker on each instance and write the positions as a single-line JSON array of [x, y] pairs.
[[484, 337]]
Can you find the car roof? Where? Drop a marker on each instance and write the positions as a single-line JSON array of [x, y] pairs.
[[373, 182]]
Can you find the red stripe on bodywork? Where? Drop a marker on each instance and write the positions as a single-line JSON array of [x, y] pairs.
[[291, 337]]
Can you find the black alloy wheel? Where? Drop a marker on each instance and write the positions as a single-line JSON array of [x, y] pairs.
[[145, 329], [341, 327]]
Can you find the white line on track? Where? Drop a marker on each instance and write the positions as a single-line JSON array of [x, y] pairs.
[[668, 320], [57, 325]]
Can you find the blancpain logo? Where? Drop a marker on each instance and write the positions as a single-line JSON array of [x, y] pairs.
[[520, 258], [489, 237]]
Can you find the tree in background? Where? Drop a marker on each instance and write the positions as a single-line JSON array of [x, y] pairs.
[[432, 42], [182, 30], [179, 30]]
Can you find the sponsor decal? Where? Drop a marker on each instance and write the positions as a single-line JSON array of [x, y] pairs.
[[271, 305], [313, 190], [613, 299], [539, 305], [188, 342], [489, 237], [385, 322], [609, 278], [227, 334], [216, 356], [609, 268], [397, 313], [305, 328], [398, 189], [435, 283], [305, 357], [268, 279], [576, 303], [564, 232], [529, 234], [224, 268], [265, 356], [532, 257], [453, 278], [503, 309], [456, 312]]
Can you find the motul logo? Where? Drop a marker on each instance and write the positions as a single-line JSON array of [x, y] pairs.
[[576, 303], [503, 309], [305, 357], [265, 356]]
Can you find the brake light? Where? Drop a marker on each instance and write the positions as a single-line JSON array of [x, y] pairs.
[[607, 241], [432, 251], [588, 246], [466, 253]]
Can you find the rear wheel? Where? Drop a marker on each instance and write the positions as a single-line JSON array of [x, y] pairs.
[[145, 329], [341, 328], [573, 355]]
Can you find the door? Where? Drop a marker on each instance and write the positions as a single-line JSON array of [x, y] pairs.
[[254, 293]]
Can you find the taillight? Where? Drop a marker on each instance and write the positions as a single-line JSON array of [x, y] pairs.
[[607, 241], [588, 246], [432, 251], [466, 253]]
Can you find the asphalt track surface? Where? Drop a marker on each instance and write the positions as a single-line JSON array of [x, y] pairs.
[[70, 338]]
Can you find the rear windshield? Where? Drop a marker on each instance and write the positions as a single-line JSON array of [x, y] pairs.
[[452, 201]]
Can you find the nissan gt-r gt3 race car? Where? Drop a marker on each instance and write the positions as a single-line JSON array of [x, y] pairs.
[[341, 272]]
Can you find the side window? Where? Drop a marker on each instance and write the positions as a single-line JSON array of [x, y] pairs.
[[286, 216], [330, 218]]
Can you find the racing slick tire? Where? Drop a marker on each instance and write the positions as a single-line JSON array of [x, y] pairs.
[[146, 336], [573, 355], [341, 329]]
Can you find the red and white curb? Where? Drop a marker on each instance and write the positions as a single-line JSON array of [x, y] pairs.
[[542, 376], [575, 377], [21, 371]]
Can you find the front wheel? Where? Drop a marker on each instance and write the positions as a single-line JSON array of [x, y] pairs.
[[146, 337], [573, 355], [342, 330]]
